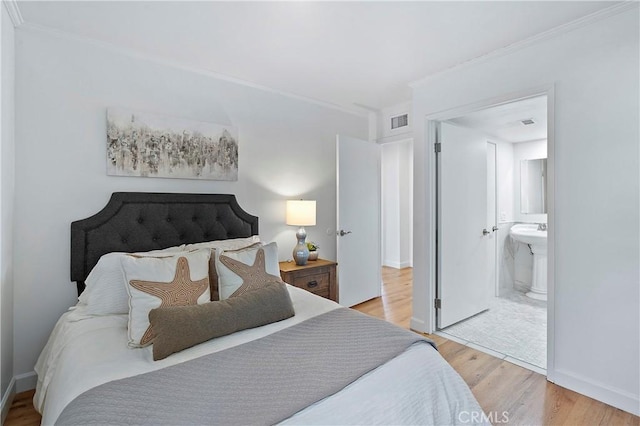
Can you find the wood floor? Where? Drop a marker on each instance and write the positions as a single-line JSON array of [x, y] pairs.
[[499, 386], [22, 412], [511, 394]]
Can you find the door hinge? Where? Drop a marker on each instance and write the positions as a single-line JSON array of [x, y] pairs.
[[437, 303], [437, 147]]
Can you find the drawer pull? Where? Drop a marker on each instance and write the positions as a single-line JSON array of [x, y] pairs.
[[312, 284]]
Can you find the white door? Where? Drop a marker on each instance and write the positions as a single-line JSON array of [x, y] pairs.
[[463, 232], [358, 220]]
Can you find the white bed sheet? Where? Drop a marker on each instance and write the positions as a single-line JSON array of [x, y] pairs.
[[417, 387]]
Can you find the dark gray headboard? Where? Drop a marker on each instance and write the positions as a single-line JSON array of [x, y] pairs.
[[141, 221]]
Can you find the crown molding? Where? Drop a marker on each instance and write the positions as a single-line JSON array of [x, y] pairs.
[[558, 31], [50, 31], [14, 12]]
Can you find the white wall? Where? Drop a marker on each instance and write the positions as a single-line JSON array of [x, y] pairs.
[[594, 70], [397, 198], [505, 170], [390, 205], [526, 151], [64, 85], [7, 146], [405, 165], [505, 178]]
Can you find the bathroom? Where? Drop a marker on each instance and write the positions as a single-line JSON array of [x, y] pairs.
[[514, 327]]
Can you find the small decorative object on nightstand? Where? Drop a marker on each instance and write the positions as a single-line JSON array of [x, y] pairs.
[[318, 277], [313, 250]]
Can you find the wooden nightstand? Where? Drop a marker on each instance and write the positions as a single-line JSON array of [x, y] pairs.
[[317, 276]]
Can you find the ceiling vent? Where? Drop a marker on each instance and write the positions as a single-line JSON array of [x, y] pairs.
[[528, 121], [399, 121]]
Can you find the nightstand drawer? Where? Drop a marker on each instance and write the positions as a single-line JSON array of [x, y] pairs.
[[315, 283], [317, 277]]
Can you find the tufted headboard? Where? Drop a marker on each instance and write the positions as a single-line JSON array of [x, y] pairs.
[[141, 221]]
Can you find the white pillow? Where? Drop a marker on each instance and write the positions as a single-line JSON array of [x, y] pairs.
[[180, 280], [231, 244], [106, 288], [230, 281]]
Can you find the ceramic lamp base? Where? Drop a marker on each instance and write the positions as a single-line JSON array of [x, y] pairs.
[[300, 251]]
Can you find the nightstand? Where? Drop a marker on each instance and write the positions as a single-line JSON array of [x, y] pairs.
[[317, 276]]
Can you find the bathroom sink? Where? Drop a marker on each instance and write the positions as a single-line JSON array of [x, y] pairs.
[[528, 234]]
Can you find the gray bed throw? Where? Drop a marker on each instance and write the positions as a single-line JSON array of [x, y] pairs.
[[263, 381]]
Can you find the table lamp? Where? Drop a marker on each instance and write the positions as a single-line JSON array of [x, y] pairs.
[[301, 213]]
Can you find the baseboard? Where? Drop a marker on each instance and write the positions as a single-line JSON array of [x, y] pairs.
[[7, 399], [417, 325], [397, 265], [599, 391], [391, 264], [26, 381]]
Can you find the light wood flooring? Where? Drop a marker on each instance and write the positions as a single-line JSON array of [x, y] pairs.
[[499, 386], [526, 397]]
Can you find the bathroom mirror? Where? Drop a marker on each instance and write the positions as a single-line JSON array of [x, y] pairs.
[[533, 186]]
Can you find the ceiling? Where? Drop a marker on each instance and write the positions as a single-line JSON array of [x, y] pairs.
[[344, 53], [504, 122]]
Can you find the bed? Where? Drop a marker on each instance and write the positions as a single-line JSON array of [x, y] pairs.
[[290, 371]]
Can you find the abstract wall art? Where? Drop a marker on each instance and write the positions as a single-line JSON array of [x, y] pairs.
[[152, 145]]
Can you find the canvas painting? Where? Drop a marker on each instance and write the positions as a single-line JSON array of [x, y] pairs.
[[151, 145]]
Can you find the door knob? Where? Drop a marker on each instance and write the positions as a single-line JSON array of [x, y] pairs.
[[342, 232], [485, 232], [495, 228]]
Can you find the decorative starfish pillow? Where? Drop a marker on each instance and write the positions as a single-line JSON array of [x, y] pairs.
[[244, 270], [229, 244], [178, 280]]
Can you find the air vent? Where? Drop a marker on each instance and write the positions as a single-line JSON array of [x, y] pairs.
[[399, 121], [528, 121]]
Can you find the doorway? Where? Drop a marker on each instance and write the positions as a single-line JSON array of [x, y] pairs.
[[483, 272], [397, 229]]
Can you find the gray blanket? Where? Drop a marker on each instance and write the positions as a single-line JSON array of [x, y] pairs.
[[260, 382]]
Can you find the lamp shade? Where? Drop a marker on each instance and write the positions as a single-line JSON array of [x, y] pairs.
[[301, 212]]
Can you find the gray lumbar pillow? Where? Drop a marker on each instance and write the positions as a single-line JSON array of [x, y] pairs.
[[181, 327]]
